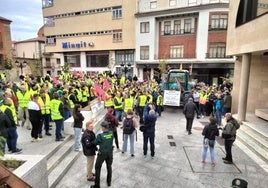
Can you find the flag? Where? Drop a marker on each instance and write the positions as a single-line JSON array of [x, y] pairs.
[[106, 85]]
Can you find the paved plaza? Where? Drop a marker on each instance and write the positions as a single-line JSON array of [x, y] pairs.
[[177, 162]]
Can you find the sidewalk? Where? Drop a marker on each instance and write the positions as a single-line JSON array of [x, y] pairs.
[[177, 162]]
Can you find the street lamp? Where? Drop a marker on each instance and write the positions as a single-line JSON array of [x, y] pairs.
[[125, 67], [21, 65]]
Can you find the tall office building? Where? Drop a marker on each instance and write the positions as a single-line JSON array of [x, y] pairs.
[[248, 40], [89, 35], [187, 34]]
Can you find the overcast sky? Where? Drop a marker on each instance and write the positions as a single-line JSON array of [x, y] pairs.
[[26, 17]]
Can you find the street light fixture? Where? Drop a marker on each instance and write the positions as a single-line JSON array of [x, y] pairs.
[[125, 67], [21, 65]]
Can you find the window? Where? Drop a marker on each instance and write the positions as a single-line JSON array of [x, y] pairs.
[[167, 27], [172, 3], [51, 41], [73, 58], [117, 35], [217, 50], [144, 52], [176, 52], [177, 27], [97, 59], [144, 27], [249, 10], [117, 12], [58, 61], [187, 25], [219, 21], [49, 21], [126, 57], [47, 3], [153, 4], [48, 63]]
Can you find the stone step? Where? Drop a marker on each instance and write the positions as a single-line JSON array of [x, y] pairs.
[[254, 140], [60, 161], [260, 138], [59, 153]]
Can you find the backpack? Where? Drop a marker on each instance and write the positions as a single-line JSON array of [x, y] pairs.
[[128, 126]]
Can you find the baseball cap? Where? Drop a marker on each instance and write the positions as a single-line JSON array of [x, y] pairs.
[[105, 124]]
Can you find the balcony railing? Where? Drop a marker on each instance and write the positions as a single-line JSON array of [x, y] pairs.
[[177, 32], [217, 55], [218, 27]]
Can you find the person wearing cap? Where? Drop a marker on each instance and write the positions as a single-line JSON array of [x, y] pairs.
[[105, 153]]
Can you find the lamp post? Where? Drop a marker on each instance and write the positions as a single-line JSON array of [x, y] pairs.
[[125, 67], [21, 65]]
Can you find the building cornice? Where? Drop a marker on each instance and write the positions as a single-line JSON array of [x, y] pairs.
[[182, 10]]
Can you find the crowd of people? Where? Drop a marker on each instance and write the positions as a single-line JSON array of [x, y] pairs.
[[33, 103]]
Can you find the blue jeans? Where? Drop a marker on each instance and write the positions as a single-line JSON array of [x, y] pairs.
[[12, 138], [45, 121], [67, 114], [202, 109], [218, 117], [118, 115], [131, 142], [59, 125], [211, 150], [150, 137], [77, 138]]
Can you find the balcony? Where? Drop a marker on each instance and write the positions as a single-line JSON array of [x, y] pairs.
[[217, 56], [217, 28], [177, 32]]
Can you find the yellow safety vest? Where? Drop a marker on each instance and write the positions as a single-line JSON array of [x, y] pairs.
[[203, 98], [128, 104], [143, 100], [119, 100], [85, 95], [109, 102], [159, 100], [71, 102], [13, 110], [54, 106], [23, 99], [79, 94], [45, 107]]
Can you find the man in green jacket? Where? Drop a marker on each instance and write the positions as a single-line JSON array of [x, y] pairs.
[[105, 153]]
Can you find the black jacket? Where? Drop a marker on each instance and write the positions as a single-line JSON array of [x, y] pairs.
[[78, 120], [4, 124], [210, 131], [190, 109], [89, 148]]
